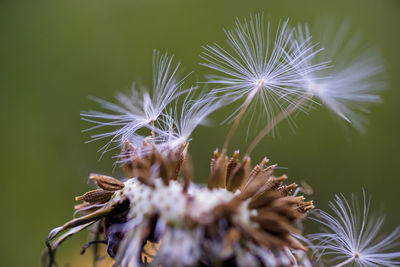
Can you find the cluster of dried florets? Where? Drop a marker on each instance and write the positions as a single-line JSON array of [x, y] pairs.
[[245, 216]]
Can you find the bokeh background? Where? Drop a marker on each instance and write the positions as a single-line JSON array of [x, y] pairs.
[[54, 54]]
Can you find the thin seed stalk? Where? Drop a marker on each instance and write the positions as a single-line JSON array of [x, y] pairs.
[[243, 109], [153, 130], [275, 121]]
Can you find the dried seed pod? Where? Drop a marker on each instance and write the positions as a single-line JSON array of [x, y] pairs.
[[266, 239], [142, 171], [173, 162], [163, 167], [303, 207], [239, 175], [106, 182], [262, 200], [126, 159], [187, 172], [95, 196], [273, 183], [252, 187], [274, 223], [254, 173], [285, 190], [218, 172], [257, 169], [216, 155], [233, 162], [179, 159]]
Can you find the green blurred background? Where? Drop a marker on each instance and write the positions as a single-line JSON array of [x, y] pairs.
[[54, 54]]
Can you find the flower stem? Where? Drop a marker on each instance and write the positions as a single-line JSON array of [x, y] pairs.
[[153, 131], [275, 121], [239, 117]]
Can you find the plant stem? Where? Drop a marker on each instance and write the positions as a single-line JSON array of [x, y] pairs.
[[275, 121], [153, 132], [239, 117]]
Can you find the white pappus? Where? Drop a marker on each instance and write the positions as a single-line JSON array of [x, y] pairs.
[[140, 109], [352, 235], [257, 68], [351, 81]]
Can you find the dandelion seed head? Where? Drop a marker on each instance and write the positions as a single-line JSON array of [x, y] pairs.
[[141, 109], [347, 79], [352, 235], [257, 66]]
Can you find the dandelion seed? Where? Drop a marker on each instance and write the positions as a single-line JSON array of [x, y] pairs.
[[351, 82], [141, 109], [179, 124], [352, 236], [256, 66], [258, 69]]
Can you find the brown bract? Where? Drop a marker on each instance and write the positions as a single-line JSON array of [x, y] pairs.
[[274, 209]]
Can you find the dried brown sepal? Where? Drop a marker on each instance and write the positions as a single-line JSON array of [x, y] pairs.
[[264, 162], [179, 159], [272, 183], [274, 223], [264, 238], [233, 162], [164, 171], [127, 168], [106, 182], [258, 168], [303, 207], [254, 173], [152, 155], [262, 200], [215, 156], [126, 162], [96, 196], [286, 190], [142, 171], [187, 173], [285, 206], [255, 183], [82, 206], [170, 165], [98, 214], [239, 175], [218, 171], [88, 207]]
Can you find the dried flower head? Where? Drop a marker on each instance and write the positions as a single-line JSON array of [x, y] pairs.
[[352, 235], [245, 215]]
